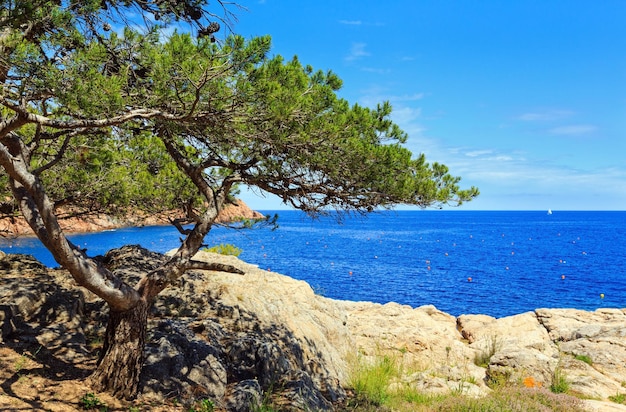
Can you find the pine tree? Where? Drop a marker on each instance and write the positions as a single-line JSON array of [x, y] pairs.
[[99, 114]]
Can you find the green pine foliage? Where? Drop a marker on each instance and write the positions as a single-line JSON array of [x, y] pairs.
[[276, 123]]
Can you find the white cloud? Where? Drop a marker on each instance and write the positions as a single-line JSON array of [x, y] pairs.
[[357, 51], [502, 158], [510, 179], [477, 153], [376, 94], [351, 22], [374, 70], [405, 115], [573, 130], [544, 116], [407, 97], [515, 180]]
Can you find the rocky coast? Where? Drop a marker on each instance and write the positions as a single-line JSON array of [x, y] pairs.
[[240, 339], [73, 221]]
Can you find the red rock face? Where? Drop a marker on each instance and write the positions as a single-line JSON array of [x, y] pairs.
[[93, 223], [235, 212]]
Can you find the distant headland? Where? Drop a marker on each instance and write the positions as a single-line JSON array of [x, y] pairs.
[[12, 226]]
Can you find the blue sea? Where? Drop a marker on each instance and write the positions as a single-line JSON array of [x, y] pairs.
[[495, 263]]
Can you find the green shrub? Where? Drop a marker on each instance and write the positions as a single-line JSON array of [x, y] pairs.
[[204, 405], [499, 379], [619, 398], [373, 392], [91, 401], [225, 249], [372, 381], [584, 358], [559, 384]]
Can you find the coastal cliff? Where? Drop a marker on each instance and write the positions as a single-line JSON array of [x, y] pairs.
[[240, 339], [84, 223]]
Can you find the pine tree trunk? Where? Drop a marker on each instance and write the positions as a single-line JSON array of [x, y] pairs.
[[122, 354]]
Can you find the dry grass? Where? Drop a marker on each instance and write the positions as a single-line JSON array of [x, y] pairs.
[[372, 382], [514, 399]]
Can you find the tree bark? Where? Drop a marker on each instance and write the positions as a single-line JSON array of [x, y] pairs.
[[122, 356]]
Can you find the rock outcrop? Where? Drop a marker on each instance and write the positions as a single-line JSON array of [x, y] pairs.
[[94, 222], [239, 339]]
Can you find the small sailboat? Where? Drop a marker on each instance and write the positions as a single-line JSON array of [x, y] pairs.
[[549, 211]]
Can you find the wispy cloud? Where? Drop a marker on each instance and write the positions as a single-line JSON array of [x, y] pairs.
[[406, 115], [477, 153], [357, 51], [377, 94], [545, 116], [573, 130], [351, 22], [517, 179], [376, 70], [347, 22], [407, 97], [490, 156]]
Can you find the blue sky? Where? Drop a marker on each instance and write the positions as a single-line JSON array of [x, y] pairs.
[[524, 99]]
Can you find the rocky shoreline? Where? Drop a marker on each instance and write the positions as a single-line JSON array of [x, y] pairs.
[[95, 222], [238, 339]]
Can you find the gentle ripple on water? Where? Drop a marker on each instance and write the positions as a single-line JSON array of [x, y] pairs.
[[516, 260]]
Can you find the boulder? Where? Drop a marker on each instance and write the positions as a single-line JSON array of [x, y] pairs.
[[571, 324], [515, 347], [191, 364], [245, 396], [595, 347]]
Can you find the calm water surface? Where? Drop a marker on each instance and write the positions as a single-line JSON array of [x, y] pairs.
[[496, 263]]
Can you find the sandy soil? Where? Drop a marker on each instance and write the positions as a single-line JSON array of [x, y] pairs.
[[32, 381]]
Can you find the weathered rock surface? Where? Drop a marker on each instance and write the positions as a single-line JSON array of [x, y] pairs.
[[237, 339]]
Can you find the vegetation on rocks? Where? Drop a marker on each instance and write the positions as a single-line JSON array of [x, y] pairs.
[[225, 249], [382, 385]]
